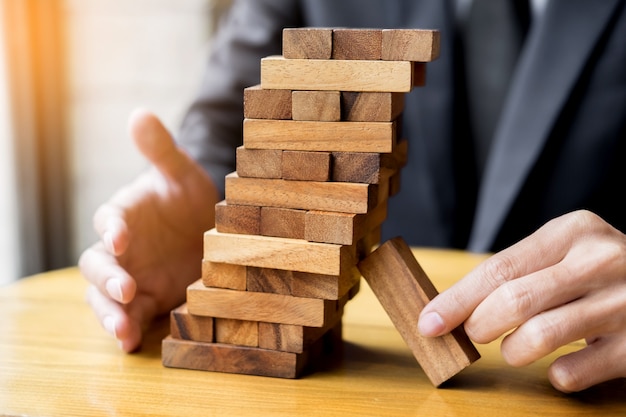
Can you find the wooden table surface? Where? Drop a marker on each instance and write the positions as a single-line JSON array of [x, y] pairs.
[[55, 360]]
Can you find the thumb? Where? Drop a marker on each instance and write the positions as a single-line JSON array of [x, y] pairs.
[[156, 143]]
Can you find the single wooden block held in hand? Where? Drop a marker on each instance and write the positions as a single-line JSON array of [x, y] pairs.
[[363, 44], [307, 43], [259, 103], [417, 45], [321, 106], [259, 163], [403, 289], [306, 166]]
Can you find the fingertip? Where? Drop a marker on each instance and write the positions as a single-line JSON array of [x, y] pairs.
[[150, 135], [431, 324]]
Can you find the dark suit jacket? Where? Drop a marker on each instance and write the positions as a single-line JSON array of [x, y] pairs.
[[560, 144]]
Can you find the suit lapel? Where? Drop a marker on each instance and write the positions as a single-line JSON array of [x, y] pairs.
[[555, 54]]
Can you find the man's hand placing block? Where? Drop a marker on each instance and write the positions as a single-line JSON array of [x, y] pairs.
[[403, 289]]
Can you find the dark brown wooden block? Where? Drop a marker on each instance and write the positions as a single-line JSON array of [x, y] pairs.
[[410, 45], [320, 106], [270, 280], [259, 103], [307, 43], [188, 327], [236, 332], [282, 222], [371, 107], [365, 44], [259, 163], [403, 289], [306, 166], [326, 287], [222, 275], [234, 218], [359, 167]]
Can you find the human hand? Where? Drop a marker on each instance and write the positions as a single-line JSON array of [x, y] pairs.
[[565, 282], [150, 232]]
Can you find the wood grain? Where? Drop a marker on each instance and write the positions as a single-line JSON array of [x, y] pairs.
[[326, 287], [222, 275], [360, 167], [319, 136], [322, 106], [282, 222], [306, 166], [307, 43], [189, 327], [236, 332], [336, 75], [371, 107], [365, 44], [410, 45], [403, 289], [236, 218], [270, 280], [260, 103], [259, 163]]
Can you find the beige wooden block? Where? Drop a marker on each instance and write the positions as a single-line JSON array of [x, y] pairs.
[[222, 275], [403, 289], [279, 253], [236, 332], [371, 107], [336, 75], [365, 44], [234, 218], [188, 327], [410, 45], [275, 281], [257, 306], [307, 195], [306, 166], [307, 43], [259, 163], [321, 106], [259, 103], [319, 136], [327, 287], [282, 222]]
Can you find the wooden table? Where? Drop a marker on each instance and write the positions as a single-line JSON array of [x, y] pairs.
[[56, 360]]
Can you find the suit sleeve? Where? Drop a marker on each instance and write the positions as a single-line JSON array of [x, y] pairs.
[[212, 127]]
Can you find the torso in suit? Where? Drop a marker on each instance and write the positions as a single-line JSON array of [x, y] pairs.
[[559, 145]]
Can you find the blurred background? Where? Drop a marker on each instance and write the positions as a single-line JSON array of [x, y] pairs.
[[71, 71]]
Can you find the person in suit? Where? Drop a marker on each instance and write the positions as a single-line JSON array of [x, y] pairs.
[[529, 168]]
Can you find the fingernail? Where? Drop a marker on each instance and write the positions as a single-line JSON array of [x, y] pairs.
[[114, 288], [431, 324], [107, 238], [109, 325]]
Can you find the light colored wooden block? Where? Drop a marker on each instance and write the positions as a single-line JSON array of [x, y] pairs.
[[275, 281], [259, 103], [336, 75], [307, 195], [326, 287], [306, 166], [279, 253], [403, 289], [307, 43], [258, 306], [410, 45], [236, 332], [319, 136], [234, 218], [188, 327], [371, 107], [259, 163], [365, 44], [321, 106], [282, 222], [222, 275]]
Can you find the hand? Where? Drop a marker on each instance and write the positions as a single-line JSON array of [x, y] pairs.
[[150, 232], [565, 282]]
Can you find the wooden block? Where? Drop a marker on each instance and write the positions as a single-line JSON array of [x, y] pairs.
[[359, 167], [270, 280], [336, 75], [306, 166], [307, 195], [322, 106], [307, 43], [236, 332], [219, 357], [410, 45], [258, 306], [363, 44], [371, 107], [279, 253], [188, 327], [341, 228], [326, 287], [403, 289], [282, 222], [259, 103], [235, 218], [259, 163], [296, 135], [221, 275], [369, 242]]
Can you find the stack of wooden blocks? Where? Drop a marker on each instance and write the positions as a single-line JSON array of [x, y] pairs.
[[320, 157]]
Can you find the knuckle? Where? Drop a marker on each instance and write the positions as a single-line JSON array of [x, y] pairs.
[[517, 300], [528, 343], [498, 270]]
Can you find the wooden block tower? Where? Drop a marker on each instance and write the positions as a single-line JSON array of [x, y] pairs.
[[321, 155]]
